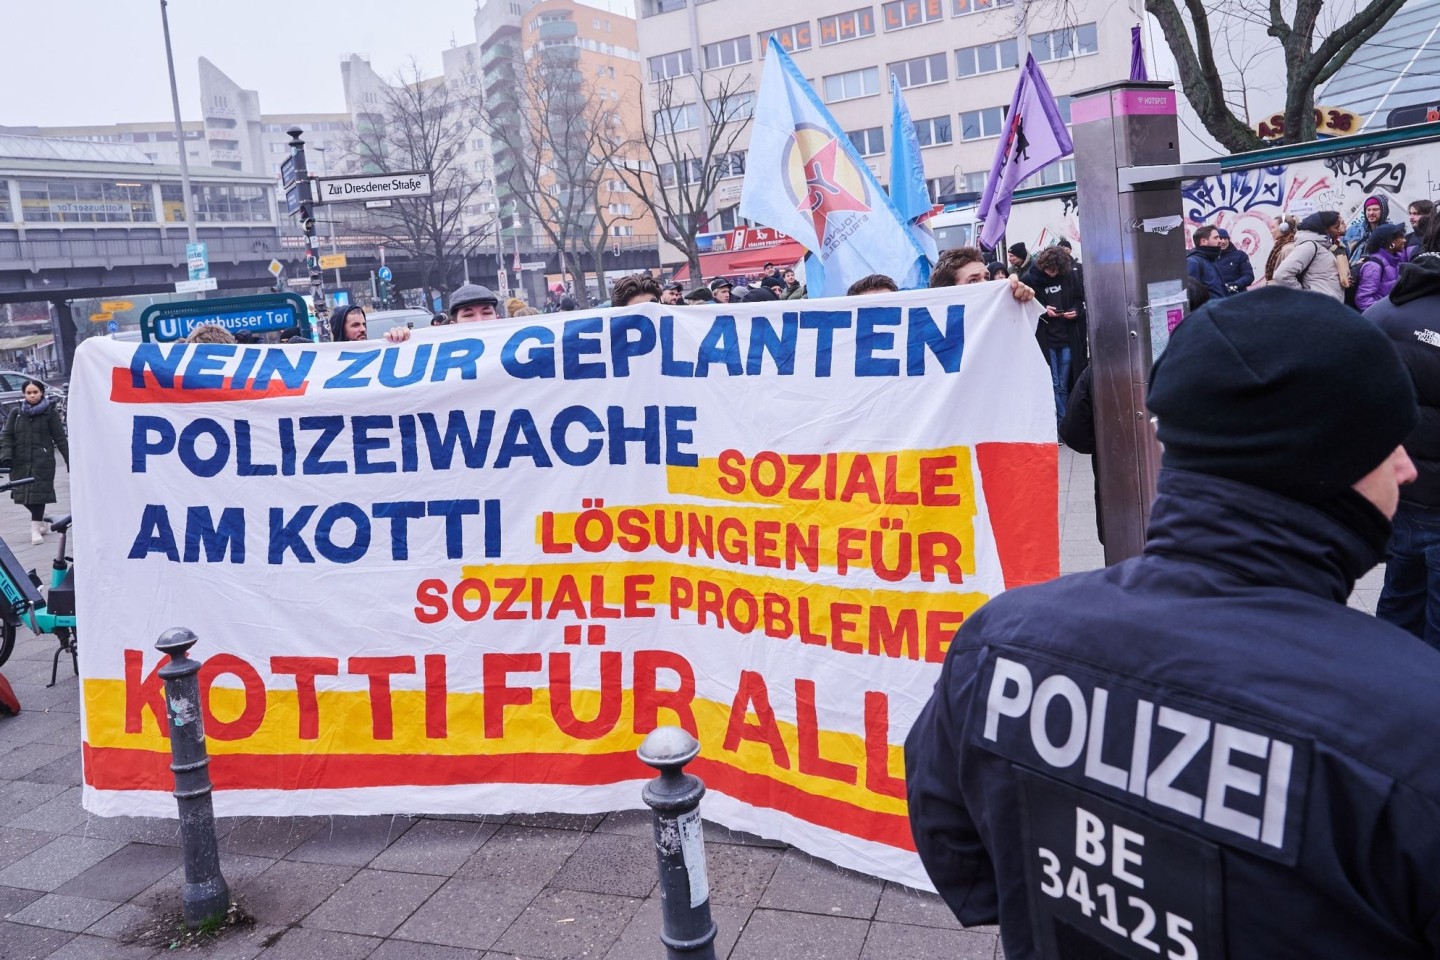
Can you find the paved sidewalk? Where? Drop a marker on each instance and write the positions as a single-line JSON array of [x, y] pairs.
[[548, 887]]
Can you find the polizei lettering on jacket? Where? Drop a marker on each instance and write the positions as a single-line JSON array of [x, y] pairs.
[[1187, 765]]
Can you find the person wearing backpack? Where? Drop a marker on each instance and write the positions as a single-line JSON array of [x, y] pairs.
[[1311, 263], [1377, 273]]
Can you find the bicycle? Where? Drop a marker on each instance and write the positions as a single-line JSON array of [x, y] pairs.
[[22, 602]]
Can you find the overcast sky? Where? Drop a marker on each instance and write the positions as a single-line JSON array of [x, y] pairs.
[[69, 62]]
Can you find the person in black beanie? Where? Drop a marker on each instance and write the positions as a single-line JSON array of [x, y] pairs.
[[1204, 742]]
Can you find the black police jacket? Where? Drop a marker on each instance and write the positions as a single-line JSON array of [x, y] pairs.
[[1410, 316], [1197, 753]]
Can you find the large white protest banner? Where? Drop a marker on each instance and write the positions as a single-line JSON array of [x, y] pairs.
[[468, 573]]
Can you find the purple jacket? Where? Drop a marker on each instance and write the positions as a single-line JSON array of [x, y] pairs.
[[1377, 275]]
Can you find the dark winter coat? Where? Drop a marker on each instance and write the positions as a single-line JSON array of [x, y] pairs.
[[1202, 264], [1236, 271], [1205, 733], [28, 445], [1064, 292], [1411, 317], [1377, 275]]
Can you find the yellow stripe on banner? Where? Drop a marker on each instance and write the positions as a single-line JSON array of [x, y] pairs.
[[900, 514], [345, 728]]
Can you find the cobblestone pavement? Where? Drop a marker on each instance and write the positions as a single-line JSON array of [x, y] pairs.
[[548, 887]]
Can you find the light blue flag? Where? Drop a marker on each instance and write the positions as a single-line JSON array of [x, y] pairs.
[[804, 178], [907, 175]]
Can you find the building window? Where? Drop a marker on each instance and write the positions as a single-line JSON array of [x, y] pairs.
[[619, 209], [6, 214], [855, 83], [670, 65], [731, 164], [987, 58], [979, 124], [792, 38], [224, 203], [279, 148], [869, 141], [617, 185], [690, 169], [963, 7], [847, 26], [675, 119], [940, 187], [726, 53], [900, 14], [1064, 43], [1063, 102], [738, 106], [920, 71], [84, 201], [933, 131], [975, 182]]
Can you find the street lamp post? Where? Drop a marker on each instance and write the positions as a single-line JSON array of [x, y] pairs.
[[187, 199]]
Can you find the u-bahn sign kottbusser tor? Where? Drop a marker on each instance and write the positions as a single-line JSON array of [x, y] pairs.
[[379, 186], [165, 322]]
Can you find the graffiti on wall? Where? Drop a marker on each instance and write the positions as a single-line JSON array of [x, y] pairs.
[[1246, 202]]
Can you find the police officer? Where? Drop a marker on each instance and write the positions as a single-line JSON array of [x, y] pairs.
[[1201, 752], [473, 302]]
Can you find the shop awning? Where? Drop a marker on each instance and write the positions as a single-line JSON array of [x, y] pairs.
[[735, 263], [20, 343]]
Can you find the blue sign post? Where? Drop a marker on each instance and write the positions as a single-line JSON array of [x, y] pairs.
[[165, 322], [112, 326], [386, 274]]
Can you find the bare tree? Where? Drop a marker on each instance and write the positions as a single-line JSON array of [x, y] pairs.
[[684, 151], [558, 143], [1192, 27], [422, 125]]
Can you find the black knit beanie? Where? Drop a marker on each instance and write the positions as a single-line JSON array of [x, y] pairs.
[[1018, 250], [1290, 391]]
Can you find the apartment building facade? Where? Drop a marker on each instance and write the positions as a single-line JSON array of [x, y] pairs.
[[957, 62]]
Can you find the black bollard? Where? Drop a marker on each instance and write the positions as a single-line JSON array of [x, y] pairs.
[[686, 927], [205, 895]]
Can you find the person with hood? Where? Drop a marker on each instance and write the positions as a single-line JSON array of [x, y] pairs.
[[1384, 253], [1061, 332], [472, 303], [1234, 265], [1202, 747], [34, 432], [1203, 261], [347, 324], [1310, 263], [1410, 316], [1374, 212]]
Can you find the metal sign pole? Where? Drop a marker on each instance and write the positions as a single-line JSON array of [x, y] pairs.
[[1128, 179], [296, 176]]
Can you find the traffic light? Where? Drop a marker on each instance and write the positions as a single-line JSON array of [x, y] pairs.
[[385, 293]]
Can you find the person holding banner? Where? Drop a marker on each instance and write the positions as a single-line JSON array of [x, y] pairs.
[[33, 434], [347, 324], [1202, 751]]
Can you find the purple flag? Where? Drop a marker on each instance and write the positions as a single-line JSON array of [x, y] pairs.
[[1034, 137], [1137, 56]]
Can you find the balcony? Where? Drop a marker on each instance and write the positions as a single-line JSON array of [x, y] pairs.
[[653, 8], [558, 30]]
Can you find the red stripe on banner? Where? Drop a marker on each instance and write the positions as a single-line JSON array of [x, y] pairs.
[[123, 390], [891, 829], [1022, 493], [118, 768]]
